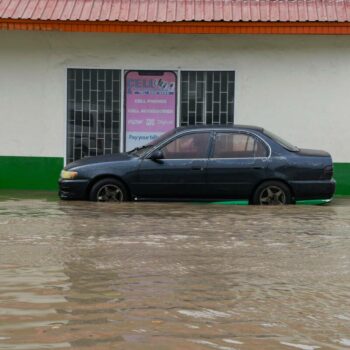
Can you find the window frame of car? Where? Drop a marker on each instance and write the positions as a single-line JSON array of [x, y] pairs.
[[181, 134], [233, 131]]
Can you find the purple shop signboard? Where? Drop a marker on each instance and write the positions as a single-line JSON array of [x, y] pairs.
[[150, 109]]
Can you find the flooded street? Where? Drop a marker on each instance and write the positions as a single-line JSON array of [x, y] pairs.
[[78, 275]]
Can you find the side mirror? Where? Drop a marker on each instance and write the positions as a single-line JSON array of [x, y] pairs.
[[157, 155]]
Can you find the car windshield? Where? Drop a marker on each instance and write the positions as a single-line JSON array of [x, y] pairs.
[[288, 146], [140, 151]]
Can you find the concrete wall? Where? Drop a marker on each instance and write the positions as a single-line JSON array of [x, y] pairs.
[[296, 86]]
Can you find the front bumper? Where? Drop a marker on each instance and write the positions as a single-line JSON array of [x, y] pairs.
[[73, 189], [321, 189]]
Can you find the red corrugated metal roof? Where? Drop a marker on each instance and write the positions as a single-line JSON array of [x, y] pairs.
[[178, 10]]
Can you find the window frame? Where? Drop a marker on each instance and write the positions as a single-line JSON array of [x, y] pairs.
[[255, 136], [92, 133], [122, 70], [180, 121]]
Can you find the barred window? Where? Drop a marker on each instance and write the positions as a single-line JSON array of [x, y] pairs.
[[93, 125], [207, 97]]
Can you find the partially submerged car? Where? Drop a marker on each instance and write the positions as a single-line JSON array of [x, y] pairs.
[[205, 163]]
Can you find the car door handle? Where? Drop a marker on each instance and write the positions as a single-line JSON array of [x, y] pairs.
[[197, 168], [258, 167]]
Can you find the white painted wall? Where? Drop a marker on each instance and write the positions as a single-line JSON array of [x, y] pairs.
[[296, 86]]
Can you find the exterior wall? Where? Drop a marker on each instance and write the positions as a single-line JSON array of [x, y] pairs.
[[296, 86]]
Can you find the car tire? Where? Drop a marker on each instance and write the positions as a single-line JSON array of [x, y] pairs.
[[272, 193], [108, 190]]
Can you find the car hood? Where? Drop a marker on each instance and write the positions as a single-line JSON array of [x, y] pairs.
[[313, 153], [99, 159]]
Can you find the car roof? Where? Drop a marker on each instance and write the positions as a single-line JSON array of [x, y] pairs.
[[220, 127]]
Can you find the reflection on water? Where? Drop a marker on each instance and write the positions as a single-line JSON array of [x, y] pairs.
[[173, 276]]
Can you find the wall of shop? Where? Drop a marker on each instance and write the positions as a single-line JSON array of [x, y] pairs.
[[296, 86]]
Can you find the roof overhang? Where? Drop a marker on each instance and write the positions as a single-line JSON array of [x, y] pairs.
[[311, 28]]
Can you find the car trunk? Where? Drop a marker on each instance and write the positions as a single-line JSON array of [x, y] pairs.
[[313, 153], [323, 164]]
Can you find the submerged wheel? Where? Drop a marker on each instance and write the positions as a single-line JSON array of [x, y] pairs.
[[108, 190], [272, 193]]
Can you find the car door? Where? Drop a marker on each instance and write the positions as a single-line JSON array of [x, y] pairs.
[[180, 173], [237, 163]]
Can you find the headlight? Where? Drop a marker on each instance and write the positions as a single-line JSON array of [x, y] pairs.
[[68, 175]]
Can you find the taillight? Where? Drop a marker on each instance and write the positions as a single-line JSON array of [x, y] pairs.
[[327, 172]]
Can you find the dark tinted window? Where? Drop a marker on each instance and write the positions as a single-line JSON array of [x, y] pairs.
[[187, 147], [238, 145]]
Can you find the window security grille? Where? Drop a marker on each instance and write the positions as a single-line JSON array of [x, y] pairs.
[[207, 97], [93, 126]]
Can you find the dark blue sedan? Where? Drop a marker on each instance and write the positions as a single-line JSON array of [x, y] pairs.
[[205, 163]]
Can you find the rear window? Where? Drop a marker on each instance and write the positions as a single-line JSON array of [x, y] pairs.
[[285, 144]]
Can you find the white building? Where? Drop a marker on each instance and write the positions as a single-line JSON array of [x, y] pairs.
[[65, 66]]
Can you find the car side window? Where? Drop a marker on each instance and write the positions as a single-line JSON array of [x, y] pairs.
[[188, 146], [238, 145]]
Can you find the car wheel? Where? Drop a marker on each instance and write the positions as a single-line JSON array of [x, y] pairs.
[[272, 193], [108, 190]]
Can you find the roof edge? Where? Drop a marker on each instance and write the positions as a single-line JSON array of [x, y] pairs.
[[296, 28]]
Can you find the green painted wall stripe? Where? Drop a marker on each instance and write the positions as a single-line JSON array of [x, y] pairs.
[[303, 202], [30, 173], [41, 173], [342, 175]]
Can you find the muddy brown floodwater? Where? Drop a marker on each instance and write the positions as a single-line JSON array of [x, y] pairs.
[[77, 275]]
